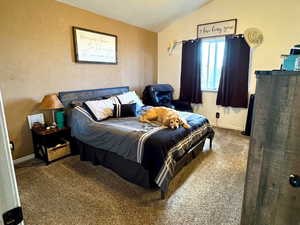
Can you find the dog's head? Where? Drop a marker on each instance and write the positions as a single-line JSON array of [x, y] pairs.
[[174, 122]]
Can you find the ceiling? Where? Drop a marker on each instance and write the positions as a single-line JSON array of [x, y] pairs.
[[152, 15]]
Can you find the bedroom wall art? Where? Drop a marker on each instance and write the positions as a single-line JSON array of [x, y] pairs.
[[220, 28], [94, 47]]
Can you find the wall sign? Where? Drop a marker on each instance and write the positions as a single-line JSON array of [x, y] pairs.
[[94, 47], [221, 28]]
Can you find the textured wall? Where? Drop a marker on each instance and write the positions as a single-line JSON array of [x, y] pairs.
[[275, 18], [37, 58]]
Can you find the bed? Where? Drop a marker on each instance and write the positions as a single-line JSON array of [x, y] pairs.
[[144, 154]]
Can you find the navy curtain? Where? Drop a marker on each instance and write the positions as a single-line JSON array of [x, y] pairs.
[[190, 86], [233, 87]]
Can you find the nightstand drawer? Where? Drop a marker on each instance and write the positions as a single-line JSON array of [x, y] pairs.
[[58, 151]]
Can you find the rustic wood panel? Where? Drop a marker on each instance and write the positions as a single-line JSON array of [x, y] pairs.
[[269, 199]]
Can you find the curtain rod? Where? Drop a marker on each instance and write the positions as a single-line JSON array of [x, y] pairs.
[[172, 45]]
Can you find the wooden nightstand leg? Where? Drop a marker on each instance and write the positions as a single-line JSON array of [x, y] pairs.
[[45, 155], [36, 150], [162, 195], [35, 146]]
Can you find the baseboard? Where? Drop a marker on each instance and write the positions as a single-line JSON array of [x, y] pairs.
[[228, 127], [23, 159]]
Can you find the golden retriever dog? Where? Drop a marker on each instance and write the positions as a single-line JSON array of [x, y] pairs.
[[165, 116]]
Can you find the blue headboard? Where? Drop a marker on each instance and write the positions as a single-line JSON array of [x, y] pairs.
[[66, 97]]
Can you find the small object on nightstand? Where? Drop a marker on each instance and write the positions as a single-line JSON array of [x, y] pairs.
[[37, 125], [59, 118], [51, 143]]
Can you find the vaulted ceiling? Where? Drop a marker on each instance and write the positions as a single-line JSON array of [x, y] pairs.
[[153, 15]]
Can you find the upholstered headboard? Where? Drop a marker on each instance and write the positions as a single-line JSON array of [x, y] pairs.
[[66, 97]]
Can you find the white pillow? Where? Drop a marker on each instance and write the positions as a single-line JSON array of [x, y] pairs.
[[130, 97], [102, 109]]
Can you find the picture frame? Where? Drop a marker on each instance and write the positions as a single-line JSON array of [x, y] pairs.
[[94, 47], [216, 29], [36, 118]]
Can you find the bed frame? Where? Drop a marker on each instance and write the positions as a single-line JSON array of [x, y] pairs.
[[112, 160]]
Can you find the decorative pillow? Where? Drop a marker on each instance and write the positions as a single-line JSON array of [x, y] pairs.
[[124, 110], [102, 109], [130, 97]]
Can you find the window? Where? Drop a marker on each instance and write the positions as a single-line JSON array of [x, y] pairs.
[[211, 63]]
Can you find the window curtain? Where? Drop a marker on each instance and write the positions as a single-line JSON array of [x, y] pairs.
[[190, 86], [233, 87]]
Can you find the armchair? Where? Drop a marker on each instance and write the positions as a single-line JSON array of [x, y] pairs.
[[162, 95]]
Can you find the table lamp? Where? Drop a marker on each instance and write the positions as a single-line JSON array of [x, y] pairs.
[[51, 102]]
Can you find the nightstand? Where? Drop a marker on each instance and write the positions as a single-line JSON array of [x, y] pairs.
[[50, 145]]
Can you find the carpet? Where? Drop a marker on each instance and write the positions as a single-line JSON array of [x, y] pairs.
[[208, 191]]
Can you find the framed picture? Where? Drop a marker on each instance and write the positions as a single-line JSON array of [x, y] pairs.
[[94, 47], [36, 118], [220, 28]]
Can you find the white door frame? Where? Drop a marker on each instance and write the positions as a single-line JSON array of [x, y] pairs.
[[9, 195]]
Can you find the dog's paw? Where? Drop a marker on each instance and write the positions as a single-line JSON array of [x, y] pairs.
[[186, 126]]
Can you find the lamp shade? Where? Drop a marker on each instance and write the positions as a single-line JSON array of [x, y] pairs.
[[51, 102]]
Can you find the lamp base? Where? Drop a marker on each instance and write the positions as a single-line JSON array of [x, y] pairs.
[[52, 123]]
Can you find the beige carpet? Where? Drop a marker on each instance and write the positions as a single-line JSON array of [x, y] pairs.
[[67, 192]]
